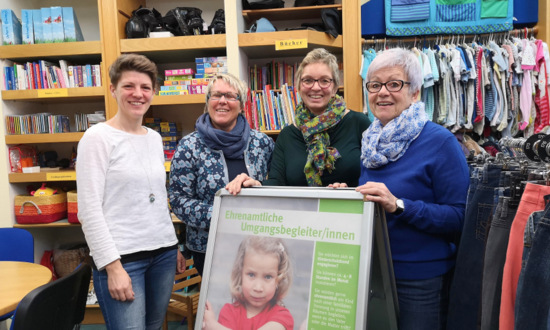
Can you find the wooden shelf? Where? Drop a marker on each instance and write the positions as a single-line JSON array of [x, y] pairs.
[[43, 176], [65, 50], [55, 224], [291, 13], [44, 138], [272, 132], [179, 99], [262, 45], [186, 48], [84, 94], [64, 223]]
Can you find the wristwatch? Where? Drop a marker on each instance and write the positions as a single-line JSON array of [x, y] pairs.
[[400, 207]]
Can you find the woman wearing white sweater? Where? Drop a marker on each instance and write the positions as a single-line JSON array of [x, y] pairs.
[[123, 205]]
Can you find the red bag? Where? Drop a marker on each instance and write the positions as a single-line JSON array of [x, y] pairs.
[[47, 260]]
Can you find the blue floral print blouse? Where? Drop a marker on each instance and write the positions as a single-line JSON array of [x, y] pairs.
[[198, 172]]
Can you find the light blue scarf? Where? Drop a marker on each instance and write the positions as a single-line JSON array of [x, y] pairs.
[[383, 144]]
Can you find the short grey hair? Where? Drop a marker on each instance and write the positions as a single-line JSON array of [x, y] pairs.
[[319, 55], [400, 58], [233, 81]]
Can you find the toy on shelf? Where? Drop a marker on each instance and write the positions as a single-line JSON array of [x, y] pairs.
[[44, 191]]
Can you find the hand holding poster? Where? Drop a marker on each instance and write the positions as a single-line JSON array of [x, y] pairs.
[[298, 258]]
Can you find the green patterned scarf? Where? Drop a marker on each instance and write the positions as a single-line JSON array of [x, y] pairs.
[[320, 155]]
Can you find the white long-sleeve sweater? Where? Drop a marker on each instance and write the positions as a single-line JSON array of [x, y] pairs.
[[116, 173]]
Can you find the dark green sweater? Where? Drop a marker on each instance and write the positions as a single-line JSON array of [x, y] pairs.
[[290, 154]]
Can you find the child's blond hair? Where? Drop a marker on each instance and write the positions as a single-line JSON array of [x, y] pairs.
[[266, 245]]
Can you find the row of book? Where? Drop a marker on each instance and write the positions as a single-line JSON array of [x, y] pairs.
[[274, 73], [45, 122], [44, 25], [37, 124], [44, 74], [170, 133], [83, 121], [271, 110]]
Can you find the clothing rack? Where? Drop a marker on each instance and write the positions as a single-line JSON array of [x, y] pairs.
[[525, 32], [536, 147]]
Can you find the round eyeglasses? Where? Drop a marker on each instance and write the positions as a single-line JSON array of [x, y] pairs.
[[323, 82], [228, 96], [391, 86]]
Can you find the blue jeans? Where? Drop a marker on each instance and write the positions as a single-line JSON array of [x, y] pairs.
[[532, 299], [495, 257], [152, 281], [423, 304], [465, 294]]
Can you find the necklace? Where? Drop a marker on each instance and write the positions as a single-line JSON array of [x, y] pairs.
[[151, 195]]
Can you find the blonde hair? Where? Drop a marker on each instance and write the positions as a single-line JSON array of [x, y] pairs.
[[266, 245], [319, 55], [233, 81]]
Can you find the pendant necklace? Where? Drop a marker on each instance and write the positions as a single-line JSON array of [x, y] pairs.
[[151, 195]]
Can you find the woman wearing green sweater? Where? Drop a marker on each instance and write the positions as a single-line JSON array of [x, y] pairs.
[[323, 146]]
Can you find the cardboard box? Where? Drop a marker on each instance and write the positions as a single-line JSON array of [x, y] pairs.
[[47, 34], [57, 24], [71, 28], [27, 34], [11, 28]]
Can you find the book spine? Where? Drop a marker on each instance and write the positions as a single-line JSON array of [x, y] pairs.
[[27, 30], [47, 35], [57, 24]]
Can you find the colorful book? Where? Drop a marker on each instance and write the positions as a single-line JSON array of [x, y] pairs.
[[47, 34], [37, 26], [57, 24], [27, 31], [71, 27], [179, 72], [11, 28]]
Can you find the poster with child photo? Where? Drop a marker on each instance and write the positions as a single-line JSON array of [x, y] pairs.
[[287, 259]]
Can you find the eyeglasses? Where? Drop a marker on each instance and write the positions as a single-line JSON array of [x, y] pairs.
[[228, 96], [391, 86], [323, 82]]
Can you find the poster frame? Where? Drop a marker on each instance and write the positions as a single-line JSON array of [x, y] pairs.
[[373, 243]]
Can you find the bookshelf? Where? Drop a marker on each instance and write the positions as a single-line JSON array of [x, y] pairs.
[[103, 25]]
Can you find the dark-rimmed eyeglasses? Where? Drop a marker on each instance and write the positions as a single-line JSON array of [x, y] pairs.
[[391, 86], [228, 96], [323, 82]]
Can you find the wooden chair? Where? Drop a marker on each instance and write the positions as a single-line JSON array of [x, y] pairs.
[[182, 303]]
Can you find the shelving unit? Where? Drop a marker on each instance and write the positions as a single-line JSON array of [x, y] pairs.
[[109, 30], [106, 40]]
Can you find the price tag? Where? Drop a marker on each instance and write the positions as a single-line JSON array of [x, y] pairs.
[[291, 44], [53, 92], [61, 176]]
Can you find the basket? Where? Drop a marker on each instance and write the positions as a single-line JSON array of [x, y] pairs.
[[72, 207], [65, 261], [40, 209]]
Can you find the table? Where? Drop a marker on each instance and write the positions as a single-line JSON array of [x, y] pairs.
[[17, 279]]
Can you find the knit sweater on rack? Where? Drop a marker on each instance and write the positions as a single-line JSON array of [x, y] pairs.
[[432, 179]]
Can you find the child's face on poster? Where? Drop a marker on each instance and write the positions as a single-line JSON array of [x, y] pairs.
[[259, 280]]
